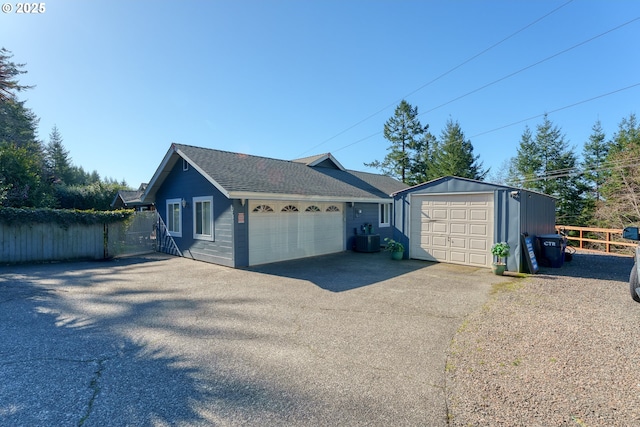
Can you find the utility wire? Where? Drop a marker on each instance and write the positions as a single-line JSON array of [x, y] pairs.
[[556, 110], [532, 65], [436, 78], [513, 74], [576, 171], [516, 122]]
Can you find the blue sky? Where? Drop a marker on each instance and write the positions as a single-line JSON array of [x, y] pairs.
[[122, 80]]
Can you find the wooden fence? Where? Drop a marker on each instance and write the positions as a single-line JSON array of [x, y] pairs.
[[36, 242], [607, 240]]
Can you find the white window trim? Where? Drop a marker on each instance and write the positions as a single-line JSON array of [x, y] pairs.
[[202, 236], [388, 210], [179, 203]]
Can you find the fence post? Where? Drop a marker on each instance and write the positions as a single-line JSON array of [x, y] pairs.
[[105, 241]]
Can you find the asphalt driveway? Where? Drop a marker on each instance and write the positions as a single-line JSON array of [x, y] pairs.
[[345, 339]]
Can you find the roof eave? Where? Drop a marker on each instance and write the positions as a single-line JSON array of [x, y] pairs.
[[165, 168], [250, 195]]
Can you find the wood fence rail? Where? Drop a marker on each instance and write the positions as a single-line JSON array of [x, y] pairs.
[[609, 236]]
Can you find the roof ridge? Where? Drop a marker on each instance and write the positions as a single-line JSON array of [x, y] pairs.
[[175, 144]]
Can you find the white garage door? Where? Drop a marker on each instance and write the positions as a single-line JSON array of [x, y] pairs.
[[280, 231], [452, 228]]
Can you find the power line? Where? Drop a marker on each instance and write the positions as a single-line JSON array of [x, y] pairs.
[[556, 110], [518, 72], [568, 172], [532, 65], [436, 79]]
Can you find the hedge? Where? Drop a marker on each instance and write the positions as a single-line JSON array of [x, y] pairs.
[[62, 217]]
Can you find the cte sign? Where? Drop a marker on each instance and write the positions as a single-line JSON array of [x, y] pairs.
[[549, 243]]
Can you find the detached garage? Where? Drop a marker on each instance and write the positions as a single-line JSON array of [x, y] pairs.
[[457, 220]]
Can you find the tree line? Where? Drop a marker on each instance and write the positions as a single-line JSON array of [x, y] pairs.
[[35, 174], [601, 187]]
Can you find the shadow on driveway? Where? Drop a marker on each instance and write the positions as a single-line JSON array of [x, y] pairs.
[[343, 271], [69, 356]]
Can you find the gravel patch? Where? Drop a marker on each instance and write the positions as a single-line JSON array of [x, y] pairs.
[[560, 348]]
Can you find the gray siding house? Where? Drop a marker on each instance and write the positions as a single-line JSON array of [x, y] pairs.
[[457, 220], [240, 210]]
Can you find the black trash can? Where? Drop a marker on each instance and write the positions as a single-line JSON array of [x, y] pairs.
[[552, 248]]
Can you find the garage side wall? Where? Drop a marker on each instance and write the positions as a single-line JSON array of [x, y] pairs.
[[537, 213], [187, 184]]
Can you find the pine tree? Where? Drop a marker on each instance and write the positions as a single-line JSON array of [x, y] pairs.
[[621, 188], [8, 73], [594, 155], [547, 164], [23, 180], [405, 132], [58, 159], [453, 155]]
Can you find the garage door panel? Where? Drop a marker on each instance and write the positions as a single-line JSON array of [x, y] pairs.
[[478, 215], [440, 214], [460, 230], [439, 227], [458, 214], [479, 259], [440, 255], [458, 243], [440, 241], [478, 245], [479, 230], [458, 257]]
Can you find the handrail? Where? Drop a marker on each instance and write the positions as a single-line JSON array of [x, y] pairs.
[[609, 233]]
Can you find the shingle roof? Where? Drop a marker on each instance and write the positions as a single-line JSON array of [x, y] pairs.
[[239, 174]]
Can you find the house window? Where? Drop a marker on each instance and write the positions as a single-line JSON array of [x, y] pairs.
[[333, 208], [262, 209], [203, 218], [174, 217], [385, 215], [289, 208], [185, 165], [312, 208]]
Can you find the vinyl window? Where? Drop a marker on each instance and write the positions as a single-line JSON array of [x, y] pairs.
[[203, 218], [174, 217], [385, 214]]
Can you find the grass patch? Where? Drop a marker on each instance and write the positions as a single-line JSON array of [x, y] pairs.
[[510, 286]]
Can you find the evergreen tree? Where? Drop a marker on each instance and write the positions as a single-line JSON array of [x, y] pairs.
[[594, 154], [621, 188], [8, 73], [453, 155], [526, 165], [58, 160], [405, 133], [22, 173], [547, 164]]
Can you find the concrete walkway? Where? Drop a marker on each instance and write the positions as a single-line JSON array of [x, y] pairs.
[[345, 339]]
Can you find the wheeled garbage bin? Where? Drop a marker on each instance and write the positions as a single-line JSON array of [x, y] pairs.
[[552, 248]]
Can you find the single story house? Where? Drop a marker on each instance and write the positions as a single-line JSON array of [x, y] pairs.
[[457, 220], [131, 199], [240, 210]]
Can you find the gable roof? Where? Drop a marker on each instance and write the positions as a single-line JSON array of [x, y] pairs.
[[129, 198], [452, 182], [242, 176]]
